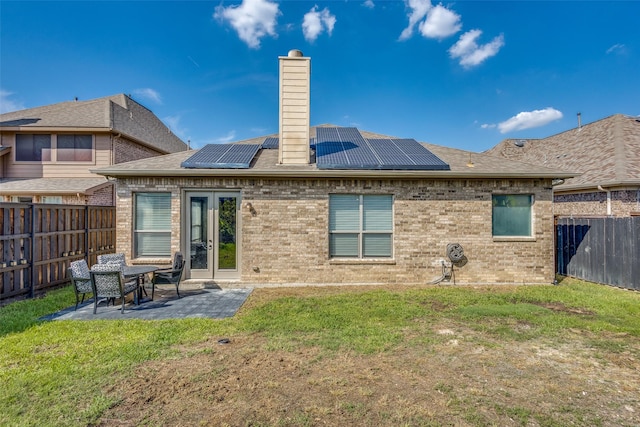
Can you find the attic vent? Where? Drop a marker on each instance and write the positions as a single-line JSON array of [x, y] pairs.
[[520, 142]]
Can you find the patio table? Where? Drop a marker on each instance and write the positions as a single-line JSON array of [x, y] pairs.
[[138, 271]]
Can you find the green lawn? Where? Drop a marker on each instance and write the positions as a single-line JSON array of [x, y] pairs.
[[54, 373]]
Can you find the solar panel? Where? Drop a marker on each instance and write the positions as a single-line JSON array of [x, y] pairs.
[[270, 143], [222, 156], [345, 148], [406, 154]]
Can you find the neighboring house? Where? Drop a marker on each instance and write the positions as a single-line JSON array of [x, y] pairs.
[[46, 152], [606, 153], [336, 205]]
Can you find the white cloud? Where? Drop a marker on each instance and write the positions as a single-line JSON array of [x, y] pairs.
[[315, 22], [617, 49], [252, 20], [470, 53], [440, 23], [487, 126], [435, 22], [230, 136], [7, 105], [419, 9], [529, 119], [369, 4], [149, 94]]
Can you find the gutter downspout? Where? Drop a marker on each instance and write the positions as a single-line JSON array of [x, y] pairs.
[[608, 199]]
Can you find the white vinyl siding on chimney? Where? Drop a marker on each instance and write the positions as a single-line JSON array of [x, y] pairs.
[[295, 76]]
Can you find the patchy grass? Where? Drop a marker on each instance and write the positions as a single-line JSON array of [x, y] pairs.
[[439, 355]]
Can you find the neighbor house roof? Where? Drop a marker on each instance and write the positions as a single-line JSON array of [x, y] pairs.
[[605, 152], [116, 114], [38, 186], [462, 164]]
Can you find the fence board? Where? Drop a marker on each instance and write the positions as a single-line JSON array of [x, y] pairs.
[[39, 241], [602, 250]]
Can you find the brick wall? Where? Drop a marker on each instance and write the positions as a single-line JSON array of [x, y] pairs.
[[125, 150], [102, 197], [285, 234], [595, 203]]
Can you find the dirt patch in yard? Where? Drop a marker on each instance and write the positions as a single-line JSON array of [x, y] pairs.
[[556, 306], [458, 376]]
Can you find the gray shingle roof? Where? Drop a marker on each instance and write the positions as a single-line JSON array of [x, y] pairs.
[[52, 185], [266, 165], [606, 152], [117, 114]]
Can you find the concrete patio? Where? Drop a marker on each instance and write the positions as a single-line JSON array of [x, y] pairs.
[[204, 303]]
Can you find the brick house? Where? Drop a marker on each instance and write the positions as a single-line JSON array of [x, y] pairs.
[[326, 204], [606, 153], [46, 152]]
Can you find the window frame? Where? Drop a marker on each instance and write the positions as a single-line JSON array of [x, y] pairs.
[[67, 161], [136, 232], [53, 149], [361, 232], [17, 151], [531, 217], [51, 200]]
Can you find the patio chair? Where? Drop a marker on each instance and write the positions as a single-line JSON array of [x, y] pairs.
[[119, 259], [108, 282], [112, 258], [169, 275], [78, 272]]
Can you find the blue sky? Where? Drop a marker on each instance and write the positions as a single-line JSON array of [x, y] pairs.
[[463, 74]]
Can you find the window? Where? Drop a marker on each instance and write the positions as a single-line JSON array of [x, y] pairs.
[[21, 199], [360, 226], [51, 199], [74, 148], [33, 148], [512, 215], [152, 225]]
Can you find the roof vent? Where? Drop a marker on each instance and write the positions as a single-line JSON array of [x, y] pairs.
[[520, 142], [295, 53]]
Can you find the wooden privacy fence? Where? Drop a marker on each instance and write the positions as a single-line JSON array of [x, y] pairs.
[[601, 250], [39, 241]]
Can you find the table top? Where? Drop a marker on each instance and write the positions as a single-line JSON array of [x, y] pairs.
[[135, 270]]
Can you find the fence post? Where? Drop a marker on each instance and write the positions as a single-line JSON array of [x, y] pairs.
[[86, 233], [32, 237]]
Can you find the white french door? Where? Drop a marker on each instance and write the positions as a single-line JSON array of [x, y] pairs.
[[212, 231]]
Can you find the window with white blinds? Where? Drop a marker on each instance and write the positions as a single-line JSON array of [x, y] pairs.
[[152, 225], [360, 226]]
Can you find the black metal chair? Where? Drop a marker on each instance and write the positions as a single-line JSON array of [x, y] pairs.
[[80, 276], [108, 282], [171, 275]]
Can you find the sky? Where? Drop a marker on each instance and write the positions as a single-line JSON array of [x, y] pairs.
[[463, 74]]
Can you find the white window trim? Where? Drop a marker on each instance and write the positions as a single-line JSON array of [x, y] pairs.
[[135, 232], [532, 236], [360, 259]]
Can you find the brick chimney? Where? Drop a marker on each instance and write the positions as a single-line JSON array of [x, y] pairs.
[[295, 77]]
